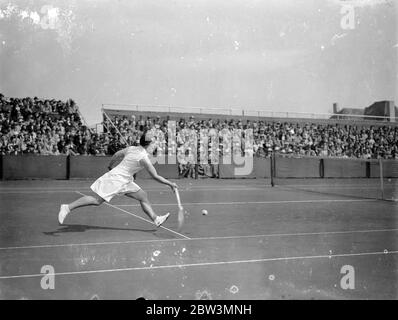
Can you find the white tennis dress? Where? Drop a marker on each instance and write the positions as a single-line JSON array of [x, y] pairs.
[[120, 179]]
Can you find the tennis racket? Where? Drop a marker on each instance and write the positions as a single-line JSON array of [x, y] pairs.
[[180, 217]]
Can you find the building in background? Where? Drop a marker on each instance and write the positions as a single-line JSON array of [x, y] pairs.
[[378, 109], [382, 109]]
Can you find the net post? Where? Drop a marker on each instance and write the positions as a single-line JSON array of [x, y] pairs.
[[381, 178], [68, 167], [272, 169], [322, 168], [368, 169]]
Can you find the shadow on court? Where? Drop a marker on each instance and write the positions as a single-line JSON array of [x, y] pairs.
[[83, 228]]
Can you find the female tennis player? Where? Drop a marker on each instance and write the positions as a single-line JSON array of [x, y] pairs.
[[119, 180]]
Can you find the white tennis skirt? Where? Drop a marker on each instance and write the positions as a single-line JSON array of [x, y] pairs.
[[111, 184]]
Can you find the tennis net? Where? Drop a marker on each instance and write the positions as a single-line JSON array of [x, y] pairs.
[[360, 178]]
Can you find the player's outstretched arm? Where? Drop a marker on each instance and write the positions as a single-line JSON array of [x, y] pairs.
[[116, 156], [153, 173]]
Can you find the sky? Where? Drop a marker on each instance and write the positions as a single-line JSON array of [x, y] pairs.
[[280, 55]]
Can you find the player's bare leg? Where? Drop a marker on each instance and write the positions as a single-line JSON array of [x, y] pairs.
[[81, 202], [142, 197]]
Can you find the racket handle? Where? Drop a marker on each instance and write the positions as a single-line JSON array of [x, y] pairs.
[[178, 198], [180, 211]]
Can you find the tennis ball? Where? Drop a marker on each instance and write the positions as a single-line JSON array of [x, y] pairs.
[[204, 212]]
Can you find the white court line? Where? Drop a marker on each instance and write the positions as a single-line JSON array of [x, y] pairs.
[[253, 202], [204, 238], [203, 264], [134, 215]]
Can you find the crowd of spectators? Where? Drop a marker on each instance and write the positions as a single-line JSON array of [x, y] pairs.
[[299, 139], [48, 127], [53, 127], [295, 139]]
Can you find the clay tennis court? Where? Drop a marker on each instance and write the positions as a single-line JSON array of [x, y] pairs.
[[257, 242]]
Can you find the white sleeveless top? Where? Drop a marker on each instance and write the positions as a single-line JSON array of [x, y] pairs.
[[130, 164]]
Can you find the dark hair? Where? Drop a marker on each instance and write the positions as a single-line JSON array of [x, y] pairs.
[[144, 143]]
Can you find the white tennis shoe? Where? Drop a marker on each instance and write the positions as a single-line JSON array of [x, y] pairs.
[[63, 212], [159, 220]]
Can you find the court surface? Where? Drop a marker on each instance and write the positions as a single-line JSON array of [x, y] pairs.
[[256, 242]]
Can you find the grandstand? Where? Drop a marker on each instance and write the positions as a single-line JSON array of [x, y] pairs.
[[49, 126], [53, 127]]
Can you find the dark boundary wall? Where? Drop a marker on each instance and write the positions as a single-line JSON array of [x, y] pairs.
[[227, 171], [34, 167], [169, 171], [67, 167], [95, 166], [261, 169], [290, 167], [88, 167], [297, 167], [344, 168], [390, 169], [91, 167]]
